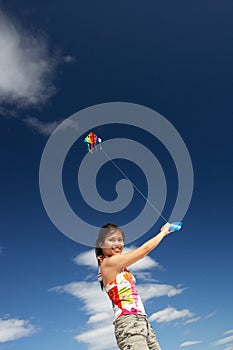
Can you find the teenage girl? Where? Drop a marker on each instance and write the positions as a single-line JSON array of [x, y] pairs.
[[132, 329]]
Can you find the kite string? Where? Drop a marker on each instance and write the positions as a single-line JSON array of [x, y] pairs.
[[136, 188]]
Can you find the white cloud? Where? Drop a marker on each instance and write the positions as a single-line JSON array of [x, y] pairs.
[[46, 128], [170, 314], [102, 316], [189, 343], [195, 319], [192, 320], [43, 128], [148, 291], [229, 347], [210, 315], [144, 264], [105, 336], [87, 259], [93, 298], [223, 340], [145, 276], [229, 332], [26, 66], [13, 328]]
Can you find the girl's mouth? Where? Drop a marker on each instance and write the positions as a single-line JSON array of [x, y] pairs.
[[117, 250]]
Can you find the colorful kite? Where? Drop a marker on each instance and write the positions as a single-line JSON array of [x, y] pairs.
[[92, 140]]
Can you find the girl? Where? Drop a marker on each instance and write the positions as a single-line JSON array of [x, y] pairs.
[[132, 329]]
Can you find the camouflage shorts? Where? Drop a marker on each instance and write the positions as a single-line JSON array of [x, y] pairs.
[[134, 332]]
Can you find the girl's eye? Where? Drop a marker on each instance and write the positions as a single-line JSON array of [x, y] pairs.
[[113, 240]]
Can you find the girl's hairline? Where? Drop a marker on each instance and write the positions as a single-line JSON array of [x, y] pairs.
[[114, 231]]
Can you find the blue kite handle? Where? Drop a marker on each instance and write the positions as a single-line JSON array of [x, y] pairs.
[[175, 225]]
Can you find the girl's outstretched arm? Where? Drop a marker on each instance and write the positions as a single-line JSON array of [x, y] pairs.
[[115, 263]]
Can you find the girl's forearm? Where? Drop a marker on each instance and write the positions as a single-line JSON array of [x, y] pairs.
[[153, 242]]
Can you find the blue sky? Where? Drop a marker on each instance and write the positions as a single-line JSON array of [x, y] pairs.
[[59, 58]]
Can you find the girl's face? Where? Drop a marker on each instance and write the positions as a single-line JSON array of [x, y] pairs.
[[113, 243]]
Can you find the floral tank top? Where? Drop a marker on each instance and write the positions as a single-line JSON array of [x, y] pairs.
[[123, 294]]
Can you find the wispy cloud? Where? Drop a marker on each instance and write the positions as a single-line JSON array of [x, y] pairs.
[[198, 318], [229, 331], [47, 128], [170, 314], [44, 128], [102, 316], [210, 315], [145, 276], [14, 328], [152, 290], [223, 340], [228, 347], [94, 300], [26, 65], [104, 334], [86, 259], [189, 343], [192, 320], [8, 112]]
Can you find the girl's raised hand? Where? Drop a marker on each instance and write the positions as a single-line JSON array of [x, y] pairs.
[[165, 229]]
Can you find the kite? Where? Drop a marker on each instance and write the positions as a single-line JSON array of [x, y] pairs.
[[92, 140], [175, 226]]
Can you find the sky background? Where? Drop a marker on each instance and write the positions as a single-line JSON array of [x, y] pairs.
[[57, 58]]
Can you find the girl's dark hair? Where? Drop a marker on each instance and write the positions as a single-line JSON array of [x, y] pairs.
[[103, 233]]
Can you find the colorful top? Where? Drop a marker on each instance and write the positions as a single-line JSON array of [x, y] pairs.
[[123, 294]]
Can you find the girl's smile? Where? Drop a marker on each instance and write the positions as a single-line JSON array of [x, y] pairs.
[[113, 243]]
